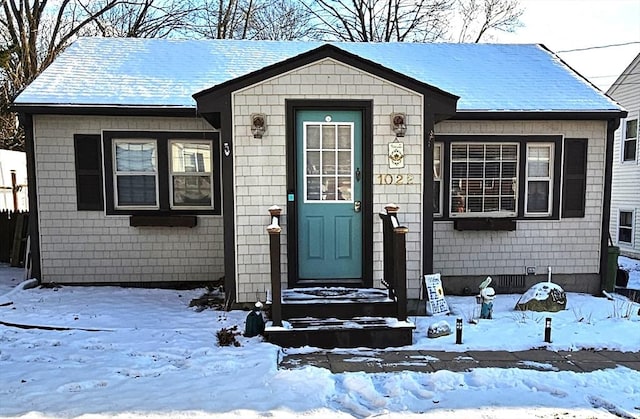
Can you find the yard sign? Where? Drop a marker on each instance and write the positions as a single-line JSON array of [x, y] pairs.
[[436, 304]]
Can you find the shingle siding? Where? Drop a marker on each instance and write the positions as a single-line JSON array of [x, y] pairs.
[[90, 247], [326, 79], [569, 246]]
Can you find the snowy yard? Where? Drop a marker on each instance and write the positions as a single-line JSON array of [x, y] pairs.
[[144, 353]]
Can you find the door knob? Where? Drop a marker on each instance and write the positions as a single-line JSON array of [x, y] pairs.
[[357, 205]]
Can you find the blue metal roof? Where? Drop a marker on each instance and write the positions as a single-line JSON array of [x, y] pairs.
[[166, 73]]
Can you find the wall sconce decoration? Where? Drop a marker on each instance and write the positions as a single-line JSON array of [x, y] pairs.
[[258, 124], [399, 124]]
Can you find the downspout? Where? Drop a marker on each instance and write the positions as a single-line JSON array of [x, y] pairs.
[[228, 205], [427, 193], [26, 121], [612, 126]]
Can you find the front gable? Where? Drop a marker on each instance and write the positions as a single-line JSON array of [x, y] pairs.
[[213, 100]]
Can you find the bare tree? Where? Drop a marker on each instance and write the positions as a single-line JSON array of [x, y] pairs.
[[32, 36], [381, 20], [481, 16], [223, 19], [281, 20], [146, 18], [34, 32]]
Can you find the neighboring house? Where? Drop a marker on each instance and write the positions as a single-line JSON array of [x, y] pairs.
[[625, 189], [13, 181], [157, 160]]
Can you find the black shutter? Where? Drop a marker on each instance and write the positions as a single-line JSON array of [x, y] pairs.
[[574, 183], [88, 172]]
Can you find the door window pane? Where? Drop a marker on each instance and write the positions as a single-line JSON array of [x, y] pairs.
[[329, 161], [313, 137]]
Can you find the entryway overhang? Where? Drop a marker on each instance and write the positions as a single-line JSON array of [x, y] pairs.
[[215, 106]]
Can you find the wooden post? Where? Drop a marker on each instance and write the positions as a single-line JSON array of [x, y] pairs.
[[14, 190], [274, 230], [387, 252], [400, 273]]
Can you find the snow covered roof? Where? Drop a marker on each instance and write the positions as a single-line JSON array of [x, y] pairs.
[[165, 73]]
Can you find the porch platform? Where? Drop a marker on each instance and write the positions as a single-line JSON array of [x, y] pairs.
[[336, 302], [338, 317]]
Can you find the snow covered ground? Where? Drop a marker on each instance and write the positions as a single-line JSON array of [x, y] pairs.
[[145, 354]]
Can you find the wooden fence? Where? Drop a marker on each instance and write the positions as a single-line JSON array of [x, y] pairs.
[[13, 236]]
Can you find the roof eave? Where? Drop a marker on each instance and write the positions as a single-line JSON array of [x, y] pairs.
[[479, 114], [103, 109]]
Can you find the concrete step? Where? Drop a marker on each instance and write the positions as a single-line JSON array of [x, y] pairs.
[[368, 332]]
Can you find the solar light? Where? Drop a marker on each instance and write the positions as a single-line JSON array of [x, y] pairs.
[[458, 331], [547, 330]]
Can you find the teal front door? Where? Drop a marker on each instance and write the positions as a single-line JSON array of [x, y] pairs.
[[329, 216]]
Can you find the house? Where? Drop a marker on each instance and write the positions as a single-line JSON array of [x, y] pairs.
[[13, 181], [625, 189], [155, 161]]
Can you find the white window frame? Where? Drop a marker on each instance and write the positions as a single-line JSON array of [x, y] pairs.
[[117, 173], [548, 179], [335, 175], [173, 173], [514, 180], [438, 153], [624, 139], [632, 227]]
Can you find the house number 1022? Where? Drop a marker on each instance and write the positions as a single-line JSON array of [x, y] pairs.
[[396, 179]]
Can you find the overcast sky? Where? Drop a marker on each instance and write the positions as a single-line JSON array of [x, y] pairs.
[[563, 25]]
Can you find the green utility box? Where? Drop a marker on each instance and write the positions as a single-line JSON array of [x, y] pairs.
[[612, 268]]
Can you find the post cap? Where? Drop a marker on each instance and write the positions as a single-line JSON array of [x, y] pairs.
[[275, 210]]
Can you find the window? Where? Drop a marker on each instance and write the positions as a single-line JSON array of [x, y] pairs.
[[484, 179], [162, 172], [629, 139], [625, 227], [136, 173], [191, 176], [539, 179], [437, 179]]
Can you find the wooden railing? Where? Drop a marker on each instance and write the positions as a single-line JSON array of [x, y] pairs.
[[274, 230], [395, 258]]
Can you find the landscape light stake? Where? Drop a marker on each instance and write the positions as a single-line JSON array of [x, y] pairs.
[[458, 331], [547, 330]]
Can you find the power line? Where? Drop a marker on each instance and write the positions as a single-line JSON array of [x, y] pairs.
[[612, 75], [599, 47]]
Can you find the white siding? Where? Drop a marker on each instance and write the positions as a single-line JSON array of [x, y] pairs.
[[90, 247], [625, 189]]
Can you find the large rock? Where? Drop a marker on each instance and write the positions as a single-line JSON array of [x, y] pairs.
[[543, 296], [439, 329]]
